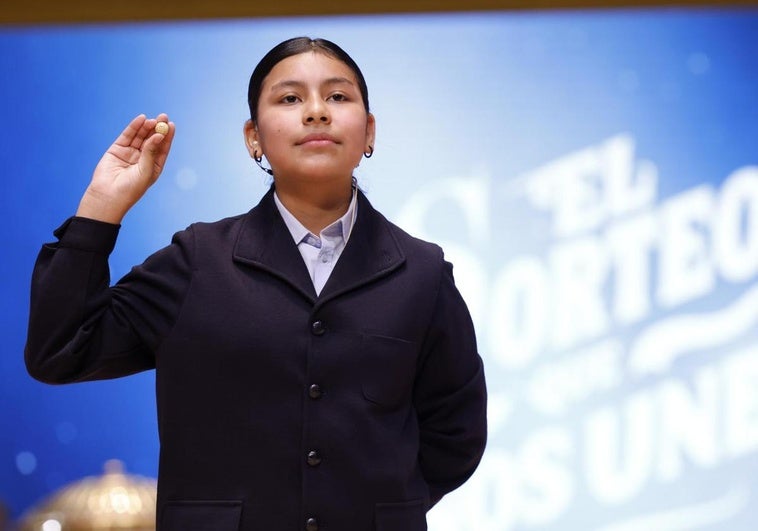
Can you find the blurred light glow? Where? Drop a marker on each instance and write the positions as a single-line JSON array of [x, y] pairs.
[[26, 463]]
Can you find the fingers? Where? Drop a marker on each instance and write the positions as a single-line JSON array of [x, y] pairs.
[[133, 132], [140, 129]]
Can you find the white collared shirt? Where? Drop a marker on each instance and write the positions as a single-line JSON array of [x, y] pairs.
[[320, 253]]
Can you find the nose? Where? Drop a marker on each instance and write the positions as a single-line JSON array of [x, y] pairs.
[[316, 111]]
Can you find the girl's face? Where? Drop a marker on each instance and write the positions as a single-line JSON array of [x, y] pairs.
[[312, 124]]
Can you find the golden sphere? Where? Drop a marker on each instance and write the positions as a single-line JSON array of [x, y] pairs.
[[113, 501]]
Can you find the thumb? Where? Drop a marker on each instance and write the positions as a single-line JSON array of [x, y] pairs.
[[148, 154]]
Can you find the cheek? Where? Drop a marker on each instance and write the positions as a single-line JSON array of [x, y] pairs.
[[271, 138], [358, 130], [271, 126]]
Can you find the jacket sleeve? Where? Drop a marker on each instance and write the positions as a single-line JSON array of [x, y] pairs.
[[450, 395], [82, 329]]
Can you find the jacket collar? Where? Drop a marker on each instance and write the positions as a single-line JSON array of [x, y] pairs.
[[371, 252]]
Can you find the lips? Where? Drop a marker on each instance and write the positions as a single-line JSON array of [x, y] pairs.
[[316, 139]]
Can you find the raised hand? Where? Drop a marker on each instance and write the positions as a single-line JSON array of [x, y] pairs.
[[127, 169]]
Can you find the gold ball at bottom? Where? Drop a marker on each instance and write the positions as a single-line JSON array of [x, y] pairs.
[[162, 128], [115, 501]]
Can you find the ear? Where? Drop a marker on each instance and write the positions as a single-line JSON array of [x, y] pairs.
[[370, 131], [252, 142]]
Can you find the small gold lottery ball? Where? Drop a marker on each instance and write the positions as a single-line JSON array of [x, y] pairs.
[[162, 128]]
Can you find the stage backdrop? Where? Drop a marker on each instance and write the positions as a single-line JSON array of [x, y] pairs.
[[592, 175]]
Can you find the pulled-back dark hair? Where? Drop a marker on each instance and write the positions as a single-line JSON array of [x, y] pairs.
[[296, 46]]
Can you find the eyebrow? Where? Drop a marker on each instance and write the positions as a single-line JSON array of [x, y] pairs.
[[299, 84]]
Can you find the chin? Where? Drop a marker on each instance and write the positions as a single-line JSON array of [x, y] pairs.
[[325, 172], [319, 175]]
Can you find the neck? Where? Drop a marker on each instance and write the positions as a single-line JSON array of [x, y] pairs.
[[317, 207]]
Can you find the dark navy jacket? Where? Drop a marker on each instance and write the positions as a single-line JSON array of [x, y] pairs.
[[278, 410]]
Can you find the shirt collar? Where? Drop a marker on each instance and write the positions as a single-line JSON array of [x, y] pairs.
[[300, 233]]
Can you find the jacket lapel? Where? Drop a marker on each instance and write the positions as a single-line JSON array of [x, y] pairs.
[[371, 252], [265, 242]]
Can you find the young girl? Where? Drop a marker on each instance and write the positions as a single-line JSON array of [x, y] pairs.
[[316, 368]]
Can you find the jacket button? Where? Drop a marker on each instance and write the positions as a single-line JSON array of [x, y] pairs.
[[314, 391], [314, 459], [311, 524], [318, 328]]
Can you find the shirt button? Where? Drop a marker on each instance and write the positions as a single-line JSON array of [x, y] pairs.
[[311, 524], [314, 391], [314, 459], [318, 328]]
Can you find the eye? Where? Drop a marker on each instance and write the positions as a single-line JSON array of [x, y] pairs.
[[338, 96], [289, 98]]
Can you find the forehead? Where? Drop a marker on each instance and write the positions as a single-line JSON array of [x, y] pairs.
[[311, 66]]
